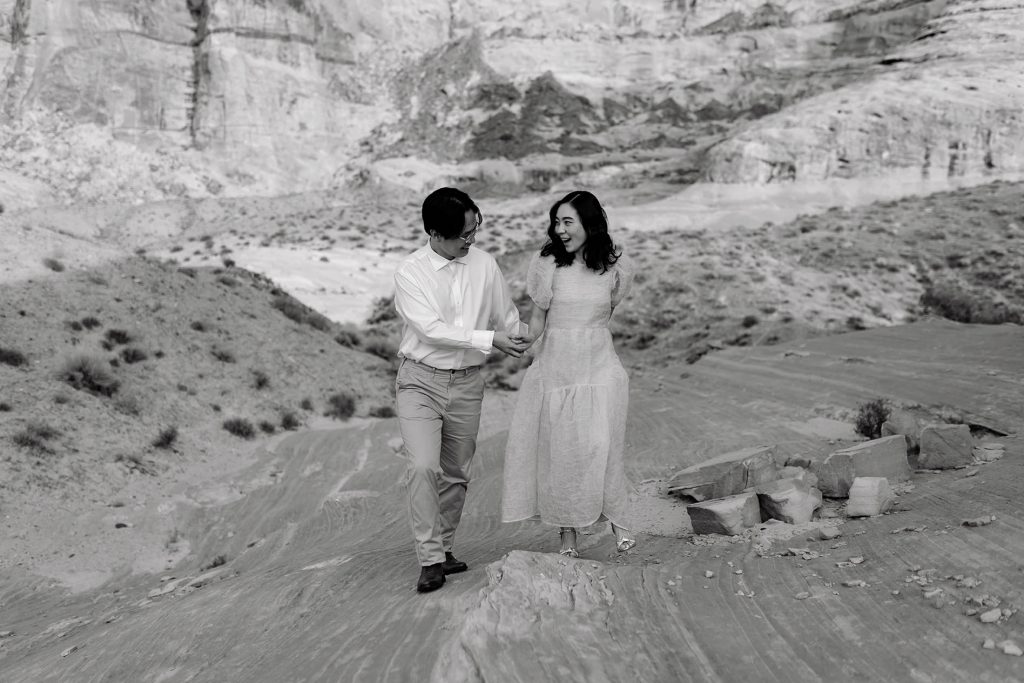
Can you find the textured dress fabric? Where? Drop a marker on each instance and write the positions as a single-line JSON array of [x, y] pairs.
[[564, 459]]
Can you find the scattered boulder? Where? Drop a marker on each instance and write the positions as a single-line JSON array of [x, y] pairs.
[[788, 500], [945, 446], [904, 423], [988, 452], [884, 457], [725, 475], [869, 496], [800, 473], [729, 515]]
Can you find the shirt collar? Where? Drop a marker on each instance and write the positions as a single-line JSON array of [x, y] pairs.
[[437, 262]]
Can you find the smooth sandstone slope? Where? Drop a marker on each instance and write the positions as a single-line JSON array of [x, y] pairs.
[[318, 572]]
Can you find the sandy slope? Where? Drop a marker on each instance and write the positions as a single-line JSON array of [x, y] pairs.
[[318, 573]]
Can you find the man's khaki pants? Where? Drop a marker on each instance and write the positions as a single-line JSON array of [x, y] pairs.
[[439, 415]]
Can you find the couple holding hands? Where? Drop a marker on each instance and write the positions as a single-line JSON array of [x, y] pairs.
[[563, 462]]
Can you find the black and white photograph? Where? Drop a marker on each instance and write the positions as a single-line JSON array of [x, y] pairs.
[[466, 341]]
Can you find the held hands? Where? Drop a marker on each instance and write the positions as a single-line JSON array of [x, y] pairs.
[[513, 346]]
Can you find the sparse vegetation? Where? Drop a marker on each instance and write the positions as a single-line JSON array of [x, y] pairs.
[[166, 438], [12, 357], [348, 338], [267, 427], [116, 337], [870, 417], [198, 326], [260, 379], [341, 406], [90, 322], [5, 407], [954, 303], [89, 373], [133, 354], [36, 437], [214, 563], [382, 411], [54, 265], [240, 427], [290, 421], [300, 313], [223, 355]]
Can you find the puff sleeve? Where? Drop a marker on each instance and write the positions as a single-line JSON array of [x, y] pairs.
[[538, 280], [623, 279]]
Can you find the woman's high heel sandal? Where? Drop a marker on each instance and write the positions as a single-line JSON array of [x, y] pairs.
[[567, 534], [624, 540]]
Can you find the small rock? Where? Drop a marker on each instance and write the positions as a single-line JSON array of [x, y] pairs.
[[857, 560], [973, 472], [708, 574], [803, 595], [75, 647], [671, 583], [895, 592], [869, 496], [933, 592], [737, 571], [978, 521], [1011, 648], [989, 644], [6, 634], [991, 616], [827, 533], [855, 583]]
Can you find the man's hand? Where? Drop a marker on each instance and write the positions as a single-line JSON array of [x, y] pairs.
[[513, 346]]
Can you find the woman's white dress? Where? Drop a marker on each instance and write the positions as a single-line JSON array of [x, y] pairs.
[[563, 462]]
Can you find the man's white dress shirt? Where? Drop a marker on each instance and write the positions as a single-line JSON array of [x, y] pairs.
[[452, 308]]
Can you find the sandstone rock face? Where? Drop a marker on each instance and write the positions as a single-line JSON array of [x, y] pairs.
[[729, 515], [947, 103], [282, 95], [945, 446], [869, 496], [885, 457], [788, 500], [726, 474]]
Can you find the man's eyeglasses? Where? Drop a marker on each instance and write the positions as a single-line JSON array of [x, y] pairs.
[[470, 236]]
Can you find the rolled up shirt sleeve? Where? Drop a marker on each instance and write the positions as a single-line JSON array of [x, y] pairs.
[[417, 312]]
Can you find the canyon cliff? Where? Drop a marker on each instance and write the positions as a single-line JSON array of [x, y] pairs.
[[122, 101]]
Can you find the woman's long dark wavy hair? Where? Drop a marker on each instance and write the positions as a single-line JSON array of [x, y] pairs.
[[599, 252]]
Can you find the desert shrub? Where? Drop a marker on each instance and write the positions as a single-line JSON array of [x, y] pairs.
[[306, 404], [166, 437], [97, 279], [53, 264], [12, 357], [383, 311], [5, 407], [290, 420], [89, 322], [74, 325], [341, 406], [382, 411], [318, 321], [291, 308], [223, 355], [382, 347], [227, 280], [89, 373], [35, 437], [133, 354], [229, 263], [348, 338], [267, 426], [952, 302], [215, 562], [749, 321], [870, 417], [198, 326], [239, 426], [117, 336], [189, 272], [61, 398], [260, 379]]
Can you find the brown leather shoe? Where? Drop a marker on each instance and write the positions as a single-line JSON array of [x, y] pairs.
[[453, 566], [431, 578]]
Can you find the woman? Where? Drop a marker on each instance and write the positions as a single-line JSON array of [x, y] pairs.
[[563, 463]]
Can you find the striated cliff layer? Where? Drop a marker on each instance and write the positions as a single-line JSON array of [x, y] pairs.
[[130, 101]]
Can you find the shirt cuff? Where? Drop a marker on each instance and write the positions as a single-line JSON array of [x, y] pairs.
[[482, 340]]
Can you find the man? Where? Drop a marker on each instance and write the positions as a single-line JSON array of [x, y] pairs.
[[457, 309]]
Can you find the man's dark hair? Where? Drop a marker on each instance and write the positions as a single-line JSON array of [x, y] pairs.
[[444, 212], [599, 252]]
